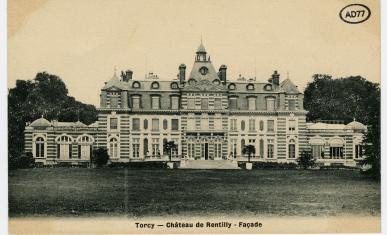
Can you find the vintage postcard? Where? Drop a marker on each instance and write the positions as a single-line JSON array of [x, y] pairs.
[[177, 116]]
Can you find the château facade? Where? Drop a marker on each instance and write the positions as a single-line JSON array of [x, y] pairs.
[[208, 116]]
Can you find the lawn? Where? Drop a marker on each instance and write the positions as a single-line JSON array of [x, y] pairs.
[[157, 192]]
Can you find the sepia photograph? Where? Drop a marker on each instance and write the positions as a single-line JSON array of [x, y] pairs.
[[178, 116]]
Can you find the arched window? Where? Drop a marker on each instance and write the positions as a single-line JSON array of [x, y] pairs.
[[165, 124], [145, 124], [113, 148], [136, 85], [39, 147], [145, 147], [243, 125], [261, 125], [174, 85], [64, 147], [250, 87], [155, 85], [268, 87], [231, 86], [85, 146], [292, 149]]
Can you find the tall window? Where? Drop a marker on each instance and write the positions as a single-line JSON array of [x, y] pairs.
[[165, 124], [317, 151], [243, 142], [261, 125], [233, 103], [204, 103], [251, 103], [145, 124], [358, 151], [191, 150], [218, 150], [261, 148], [155, 148], [292, 149], [336, 152], [146, 152], [204, 123], [175, 151], [270, 104], [270, 125], [113, 123], [234, 148], [174, 102], [136, 102], [191, 103], [233, 124], [291, 104], [64, 147], [136, 148], [243, 125], [113, 96], [135, 124], [164, 143], [39, 147], [270, 148], [175, 124], [251, 125], [155, 102], [113, 148], [84, 147], [292, 125], [218, 103], [155, 124]]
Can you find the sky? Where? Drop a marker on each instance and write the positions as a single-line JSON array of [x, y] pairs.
[[83, 41]]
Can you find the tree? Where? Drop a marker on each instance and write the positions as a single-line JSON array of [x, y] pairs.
[[306, 159], [345, 99], [100, 157], [46, 95], [169, 146], [249, 150]]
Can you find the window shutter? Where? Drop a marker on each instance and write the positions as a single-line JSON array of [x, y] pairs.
[[79, 151], [57, 150], [70, 150]]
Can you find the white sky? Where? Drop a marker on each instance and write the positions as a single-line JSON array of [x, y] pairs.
[[82, 41]]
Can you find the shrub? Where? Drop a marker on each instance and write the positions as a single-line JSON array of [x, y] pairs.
[[306, 160], [25, 160], [100, 157]]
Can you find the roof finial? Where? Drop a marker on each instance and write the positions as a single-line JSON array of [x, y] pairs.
[[354, 119], [201, 38]]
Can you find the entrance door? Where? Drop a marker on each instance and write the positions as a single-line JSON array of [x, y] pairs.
[[206, 151]]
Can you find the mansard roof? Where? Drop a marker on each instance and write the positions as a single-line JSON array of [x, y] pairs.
[[356, 125], [288, 86], [205, 85], [114, 83]]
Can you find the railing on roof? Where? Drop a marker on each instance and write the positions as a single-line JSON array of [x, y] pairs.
[[329, 121]]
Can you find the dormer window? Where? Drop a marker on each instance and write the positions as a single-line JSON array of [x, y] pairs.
[[231, 86], [191, 81], [250, 87], [155, 85], [268, 87], [216, 82], [136, 85], [174, 85], [203, 70]]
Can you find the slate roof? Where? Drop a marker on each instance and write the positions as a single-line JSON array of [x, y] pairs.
[[41, 122], [211, 74], [288, 86]]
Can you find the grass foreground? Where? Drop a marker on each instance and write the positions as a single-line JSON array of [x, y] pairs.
[[158, 192]]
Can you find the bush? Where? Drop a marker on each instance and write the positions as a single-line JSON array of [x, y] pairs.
[[306, 160], [100, 157], [25, 160]]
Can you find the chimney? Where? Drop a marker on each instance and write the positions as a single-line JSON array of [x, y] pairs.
[[275, 77], [222, 73], [127, 75], [182, 73]]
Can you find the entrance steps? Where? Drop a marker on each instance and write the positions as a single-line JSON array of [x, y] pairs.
[[209, 164]]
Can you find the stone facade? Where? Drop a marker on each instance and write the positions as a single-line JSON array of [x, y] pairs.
[[208, 116]]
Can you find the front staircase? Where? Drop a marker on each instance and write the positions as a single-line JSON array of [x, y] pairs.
[[209, 164]]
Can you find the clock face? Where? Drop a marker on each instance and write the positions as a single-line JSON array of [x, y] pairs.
[[203, 70]]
